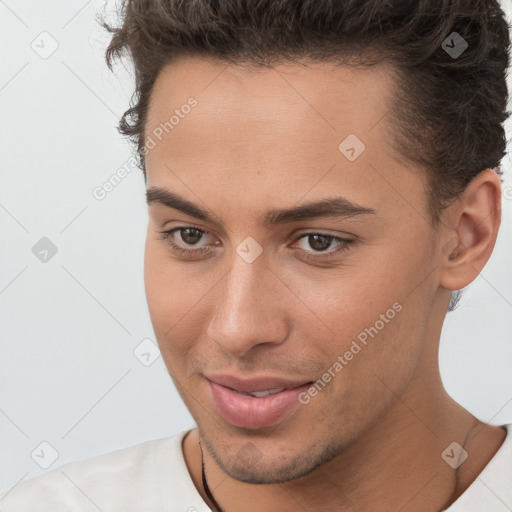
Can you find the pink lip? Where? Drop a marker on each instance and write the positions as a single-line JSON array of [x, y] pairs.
[[254, 384], [255, 412]]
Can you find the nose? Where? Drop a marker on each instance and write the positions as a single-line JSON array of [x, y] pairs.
[[249, 309]]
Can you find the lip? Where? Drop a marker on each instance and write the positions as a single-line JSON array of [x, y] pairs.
[[255, 384], [254, 412]]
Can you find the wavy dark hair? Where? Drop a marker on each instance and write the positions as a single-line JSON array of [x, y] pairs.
[[448, 110]]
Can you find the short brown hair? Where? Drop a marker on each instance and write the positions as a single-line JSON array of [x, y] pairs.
[[448, 111]]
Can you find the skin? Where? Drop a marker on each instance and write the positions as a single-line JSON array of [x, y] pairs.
[[263, 139]]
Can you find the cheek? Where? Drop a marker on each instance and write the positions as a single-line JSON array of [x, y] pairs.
[[389, 327], [167, 292], [379, 356], [378, 313], [175, 295]]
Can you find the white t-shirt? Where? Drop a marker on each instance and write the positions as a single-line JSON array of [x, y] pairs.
[[153, 477]]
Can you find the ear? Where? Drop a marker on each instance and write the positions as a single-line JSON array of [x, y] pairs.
[[471, 224]]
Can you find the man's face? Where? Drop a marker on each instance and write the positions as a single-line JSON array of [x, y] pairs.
[[323, 287]]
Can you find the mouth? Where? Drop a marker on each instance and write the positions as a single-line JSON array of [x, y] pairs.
[[260, 394], [255, 403]]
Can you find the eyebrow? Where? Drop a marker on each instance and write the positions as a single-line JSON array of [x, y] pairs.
[[336, 207]]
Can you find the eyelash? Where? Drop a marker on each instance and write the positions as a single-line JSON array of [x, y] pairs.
[[167, 236]]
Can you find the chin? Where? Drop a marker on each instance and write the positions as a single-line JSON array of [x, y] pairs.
[[261, 474], [250, 465]]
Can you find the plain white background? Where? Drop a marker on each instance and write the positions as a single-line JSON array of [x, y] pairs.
[[69, 326]]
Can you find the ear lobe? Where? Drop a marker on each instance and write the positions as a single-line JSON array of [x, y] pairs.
[[474, 222]]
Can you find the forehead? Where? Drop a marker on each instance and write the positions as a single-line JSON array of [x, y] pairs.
[[315, 99], [273, 130]]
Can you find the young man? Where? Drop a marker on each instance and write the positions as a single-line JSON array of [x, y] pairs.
[[321, 176]]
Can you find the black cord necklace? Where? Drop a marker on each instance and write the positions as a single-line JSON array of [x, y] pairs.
[[205, 484]]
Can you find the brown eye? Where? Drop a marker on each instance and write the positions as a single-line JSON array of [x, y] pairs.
[[320, 242], [190, 235], [321, 245], [187, 241]]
